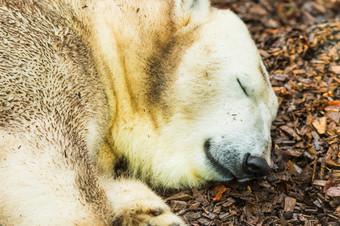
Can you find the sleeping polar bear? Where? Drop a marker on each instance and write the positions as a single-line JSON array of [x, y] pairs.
[[175, 87]]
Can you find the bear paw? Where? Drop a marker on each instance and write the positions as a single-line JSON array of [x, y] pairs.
[[146, 214], [135, 204]]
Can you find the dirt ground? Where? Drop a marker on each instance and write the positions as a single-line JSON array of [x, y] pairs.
[[300, 45]]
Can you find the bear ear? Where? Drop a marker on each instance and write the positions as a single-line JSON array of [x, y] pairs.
[[192, 10]]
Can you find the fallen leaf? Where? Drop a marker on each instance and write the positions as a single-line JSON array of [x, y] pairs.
[[182, 196], [320, 183], [333, 191], [290, 131], [289, 204], [328, 184], [282, 90], [293, 168], [335, 69], [258, 10], [219, 190], [335, 116], [294, 153], [337, 211], [333, 106], [320, 125]]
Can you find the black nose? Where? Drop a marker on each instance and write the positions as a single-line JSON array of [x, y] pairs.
[[255, 166]]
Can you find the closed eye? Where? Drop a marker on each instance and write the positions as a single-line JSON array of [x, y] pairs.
[[243, 88]]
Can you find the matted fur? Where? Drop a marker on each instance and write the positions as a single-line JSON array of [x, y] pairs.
[[84, 83]]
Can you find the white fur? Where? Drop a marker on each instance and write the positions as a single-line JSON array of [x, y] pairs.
[[23, 176], [208, 102], [206, 54]]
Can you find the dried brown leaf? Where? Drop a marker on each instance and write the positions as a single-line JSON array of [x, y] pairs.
[[333, 106], [289, 204], [320, 124], [321, 183], [335, 69], [337, 211], [182, 196], [219, 190], [333, 191]]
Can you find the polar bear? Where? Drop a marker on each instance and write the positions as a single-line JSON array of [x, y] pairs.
[[175, 87]]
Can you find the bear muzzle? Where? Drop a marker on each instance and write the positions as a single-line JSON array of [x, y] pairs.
[[230, 164]]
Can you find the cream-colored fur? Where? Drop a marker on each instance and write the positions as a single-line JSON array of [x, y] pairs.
[[84, 83], [206, 52]]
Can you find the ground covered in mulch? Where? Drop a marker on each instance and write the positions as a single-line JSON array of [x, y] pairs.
[[300, 45]]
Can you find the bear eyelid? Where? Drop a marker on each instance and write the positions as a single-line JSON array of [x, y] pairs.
[[243, 88]]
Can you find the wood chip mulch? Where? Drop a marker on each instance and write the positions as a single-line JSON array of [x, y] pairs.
[[300, 45]]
